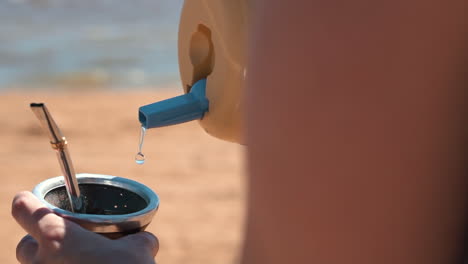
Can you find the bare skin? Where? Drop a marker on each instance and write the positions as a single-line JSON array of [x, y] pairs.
[[53, 239], [357, 132]]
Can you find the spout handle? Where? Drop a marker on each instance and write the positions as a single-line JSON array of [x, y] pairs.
[[176, 110]]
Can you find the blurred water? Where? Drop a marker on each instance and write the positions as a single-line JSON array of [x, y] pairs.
[[118, 44]]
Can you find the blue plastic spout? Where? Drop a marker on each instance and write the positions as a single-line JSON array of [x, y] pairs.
[[176, 110]]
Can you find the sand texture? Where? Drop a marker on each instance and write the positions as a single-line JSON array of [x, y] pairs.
[[200, 179]]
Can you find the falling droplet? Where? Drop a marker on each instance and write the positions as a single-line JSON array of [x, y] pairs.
[[140, 157]]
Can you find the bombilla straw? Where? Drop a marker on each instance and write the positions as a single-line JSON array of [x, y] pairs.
[[59, 144]]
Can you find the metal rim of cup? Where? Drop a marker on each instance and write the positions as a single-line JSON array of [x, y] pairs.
[[104, 223]]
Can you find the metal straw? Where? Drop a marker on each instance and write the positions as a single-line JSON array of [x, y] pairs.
[[59, 143]]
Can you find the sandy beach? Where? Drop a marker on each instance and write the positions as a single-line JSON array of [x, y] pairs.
[[200, 179]]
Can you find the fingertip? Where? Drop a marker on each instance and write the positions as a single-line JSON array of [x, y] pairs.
[[26, 249], [144, 239], [152, 239], [20, 202], [30, 214]]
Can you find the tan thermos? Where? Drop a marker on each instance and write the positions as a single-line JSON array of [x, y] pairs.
[[212, 61], [212, 45]]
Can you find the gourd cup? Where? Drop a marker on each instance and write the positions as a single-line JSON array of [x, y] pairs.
[[112, 206]]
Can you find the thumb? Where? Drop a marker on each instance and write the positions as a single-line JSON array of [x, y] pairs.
[[142, 240]]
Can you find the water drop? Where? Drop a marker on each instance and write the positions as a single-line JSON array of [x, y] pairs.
[[140, 157]]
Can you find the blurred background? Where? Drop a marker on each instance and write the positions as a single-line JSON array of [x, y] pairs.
[[94, 62], [88, 43]]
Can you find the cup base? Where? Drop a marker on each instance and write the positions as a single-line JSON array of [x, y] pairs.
[[117, 235]]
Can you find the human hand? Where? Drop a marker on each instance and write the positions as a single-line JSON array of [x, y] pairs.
[[53, 239]]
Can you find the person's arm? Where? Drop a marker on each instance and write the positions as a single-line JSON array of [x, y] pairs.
[[357, 132]]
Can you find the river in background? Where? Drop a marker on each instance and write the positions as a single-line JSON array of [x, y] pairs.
[[87, 44]]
